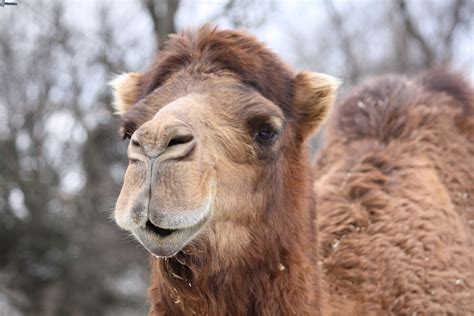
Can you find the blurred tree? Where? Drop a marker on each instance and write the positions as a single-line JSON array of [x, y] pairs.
[[244, 14], [162, 14], [364, 38], [437, 49], [60, 254]]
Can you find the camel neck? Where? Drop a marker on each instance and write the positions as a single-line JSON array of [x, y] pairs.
[[279, 282]]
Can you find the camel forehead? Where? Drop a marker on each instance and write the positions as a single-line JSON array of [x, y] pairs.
[[211, 96], [214, 89]]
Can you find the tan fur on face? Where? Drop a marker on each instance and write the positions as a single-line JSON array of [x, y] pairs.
[[125, 91]]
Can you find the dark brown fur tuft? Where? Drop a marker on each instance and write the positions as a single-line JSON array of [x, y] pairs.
[[443, 81], [391, 107], [210, 50]]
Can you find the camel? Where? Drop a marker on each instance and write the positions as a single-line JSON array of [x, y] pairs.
[[221, 191]]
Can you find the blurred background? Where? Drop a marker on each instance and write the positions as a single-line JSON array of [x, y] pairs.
[[62, 160]]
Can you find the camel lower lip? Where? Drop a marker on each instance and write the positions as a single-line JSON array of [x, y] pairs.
[[162, 242]]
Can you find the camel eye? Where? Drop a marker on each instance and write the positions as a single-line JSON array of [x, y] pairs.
[[266, 134]]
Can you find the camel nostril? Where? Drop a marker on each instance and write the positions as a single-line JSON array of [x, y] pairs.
[[180, 139]]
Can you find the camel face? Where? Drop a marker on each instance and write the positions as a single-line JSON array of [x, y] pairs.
[[197, 160], [207, 140]]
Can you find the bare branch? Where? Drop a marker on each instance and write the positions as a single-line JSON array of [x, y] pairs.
[[456, 20], [413, 31], [344, 41], [162, 15]]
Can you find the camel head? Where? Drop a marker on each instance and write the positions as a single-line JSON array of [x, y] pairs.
[[212, 125]]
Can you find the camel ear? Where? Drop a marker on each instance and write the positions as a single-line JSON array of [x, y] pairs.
[[125, 88], [314, 96]]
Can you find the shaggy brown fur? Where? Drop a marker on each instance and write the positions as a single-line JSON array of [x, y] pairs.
[[394, 190]]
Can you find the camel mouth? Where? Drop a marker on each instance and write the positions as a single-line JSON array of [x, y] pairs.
[[162, 232], [166, 242]]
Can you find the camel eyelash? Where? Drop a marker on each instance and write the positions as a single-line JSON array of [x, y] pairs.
[[127, 135], [126, 132]]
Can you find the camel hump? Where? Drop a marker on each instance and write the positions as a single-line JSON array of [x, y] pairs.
[[441, 80], [394, 107]]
